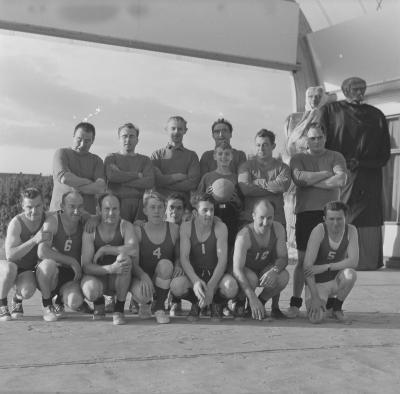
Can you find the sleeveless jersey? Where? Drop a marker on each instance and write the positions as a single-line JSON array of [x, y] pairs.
[[328, 255], [30, 260], [203, 255], [258, 257], [118, 240], [150, 253], [70, 245]]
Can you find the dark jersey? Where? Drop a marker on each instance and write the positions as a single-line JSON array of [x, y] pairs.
[[151, 253], [30, 260], [68, 244], [328, 255], [203, 255], [258, 257], [118, 240]]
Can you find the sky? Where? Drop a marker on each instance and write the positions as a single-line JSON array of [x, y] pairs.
[[48, 85]]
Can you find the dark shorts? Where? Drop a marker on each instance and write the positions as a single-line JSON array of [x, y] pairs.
[[305, 222], [65, 275], [204, 273], [22, 270]]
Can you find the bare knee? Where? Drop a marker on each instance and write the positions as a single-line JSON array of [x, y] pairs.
[[92, 288], [8, 271], [72, 295], [228, 286], [180, 286], [164, 269], [349, 275]]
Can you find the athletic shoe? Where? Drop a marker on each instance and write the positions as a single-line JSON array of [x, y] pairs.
[[176, 309], [206, 311], [144, 311], [85, 308], [161, 317], [99, 312], [49, 314], [292, 312], [118, 318], [133, 307], [329, 314], [109, 304], [216, 312], [59, 310], [194, 313], [17, 312], [276, 313], [4, 313], [340, 317]]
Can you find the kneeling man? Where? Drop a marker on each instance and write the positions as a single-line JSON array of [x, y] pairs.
[[107, 255], [203, 255], [330, 262], [158, 255], [61, 271], [259, 260]]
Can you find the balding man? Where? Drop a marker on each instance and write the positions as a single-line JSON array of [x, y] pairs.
[[260, 259]]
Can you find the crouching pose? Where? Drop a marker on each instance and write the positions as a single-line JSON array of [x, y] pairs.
[[107, 255], [24, 234], [60, 270], [259, 260], [158, 259], [330, 260], [203, 255]]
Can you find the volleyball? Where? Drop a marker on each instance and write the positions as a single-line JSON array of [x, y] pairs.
[[222, 189]]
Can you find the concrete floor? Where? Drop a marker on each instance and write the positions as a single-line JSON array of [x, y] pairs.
[[78, 355]]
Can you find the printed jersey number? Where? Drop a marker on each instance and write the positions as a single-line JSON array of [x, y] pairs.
[[331, 255], [263, 255], [157, 252], [68, 245], [203, 248]]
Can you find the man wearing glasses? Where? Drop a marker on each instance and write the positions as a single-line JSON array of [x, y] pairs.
[[221, 131]]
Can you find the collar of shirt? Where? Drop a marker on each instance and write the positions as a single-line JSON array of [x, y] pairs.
[[173, 147]]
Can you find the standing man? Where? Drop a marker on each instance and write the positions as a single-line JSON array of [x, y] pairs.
[[158, 259], [60, 270], [24, 234], [331, 257], [107, 256], [318, 174], [77, 168], [203, 255], [221, 131], [128, 173], [259, 260], [264, 177], [177, 169], [359, 131]]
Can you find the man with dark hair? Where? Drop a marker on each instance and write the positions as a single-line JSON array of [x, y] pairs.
[[329, 263], [24, 234], [264, 177], [318, 174], [359, 131], [221, 131], [176, 168], [129, 173], [107, 256], [259, 260], [77, 168], [203, 256]]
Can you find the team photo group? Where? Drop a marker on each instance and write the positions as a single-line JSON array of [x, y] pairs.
[[161, 229]]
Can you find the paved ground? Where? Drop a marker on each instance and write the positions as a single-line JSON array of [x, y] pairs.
[[78, 355]]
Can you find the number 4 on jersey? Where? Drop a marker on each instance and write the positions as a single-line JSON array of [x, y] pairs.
[[157, 252]]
